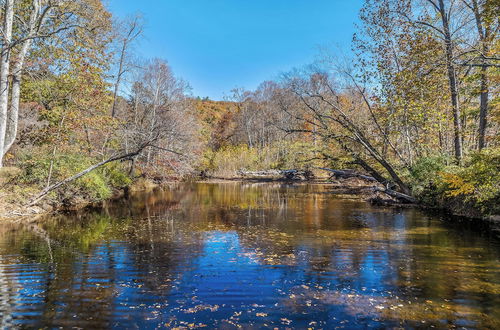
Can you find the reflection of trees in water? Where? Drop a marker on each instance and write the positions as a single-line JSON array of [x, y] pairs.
[[7, 295], [89, 260], [376, 262], [391, 252], [140, 247]]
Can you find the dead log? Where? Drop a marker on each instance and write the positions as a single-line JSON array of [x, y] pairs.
[[292, 174], [400, 196], [265, 173], [348, 174]]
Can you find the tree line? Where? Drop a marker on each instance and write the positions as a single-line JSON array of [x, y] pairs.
[[416, 105]]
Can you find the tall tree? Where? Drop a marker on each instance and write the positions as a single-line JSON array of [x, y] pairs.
[[128, 31], [487, 29], [5, 71], [37, 21], [444, 12]]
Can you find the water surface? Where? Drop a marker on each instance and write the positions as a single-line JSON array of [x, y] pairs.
[[250, 255]]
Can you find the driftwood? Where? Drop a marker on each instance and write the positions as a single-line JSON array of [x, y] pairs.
[[266, 173], [297, 174], [285, 174], [348, 174], [352, 174], [400, 196]]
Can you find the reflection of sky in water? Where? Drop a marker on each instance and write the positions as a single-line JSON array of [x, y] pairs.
[[234, 259]]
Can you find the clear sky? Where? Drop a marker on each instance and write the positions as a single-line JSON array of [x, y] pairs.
[[217, 45]]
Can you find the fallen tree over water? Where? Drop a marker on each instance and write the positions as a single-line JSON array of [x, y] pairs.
[[47, 190], [293, 174], [375, 186], [124, 156], [346, 174]]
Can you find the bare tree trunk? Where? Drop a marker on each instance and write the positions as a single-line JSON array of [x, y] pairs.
[[118, 78], [133, 31], [4, 73], [54, 150], [452, 78], [13, 116], [51, 166], [484, 35], [483, 110]]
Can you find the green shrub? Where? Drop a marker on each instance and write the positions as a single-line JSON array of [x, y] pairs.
[[424, 176], [477, 182], [97, 185], [473, 188], [116, 175], [427, 168]]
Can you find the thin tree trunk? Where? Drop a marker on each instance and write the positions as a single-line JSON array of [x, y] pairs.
[[452, 78], [44, 192], [484, 98], [4, 73], [134, 30], [118, 78], [483, 110], [54, 150], [51, 166], [13, 116]]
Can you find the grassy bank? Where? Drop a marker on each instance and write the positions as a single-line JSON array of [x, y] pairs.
[[34, 171]]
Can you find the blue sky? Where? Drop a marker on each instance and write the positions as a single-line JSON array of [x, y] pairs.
[[217, 45]]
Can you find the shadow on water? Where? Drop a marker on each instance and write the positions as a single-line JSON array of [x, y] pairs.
[[255, 255]]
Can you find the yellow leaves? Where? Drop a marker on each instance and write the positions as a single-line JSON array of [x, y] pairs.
[[457, 185], [8, 156]]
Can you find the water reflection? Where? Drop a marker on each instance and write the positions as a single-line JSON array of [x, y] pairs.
[[252, 255]]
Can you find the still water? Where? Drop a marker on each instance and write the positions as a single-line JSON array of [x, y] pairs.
[[248, 255]]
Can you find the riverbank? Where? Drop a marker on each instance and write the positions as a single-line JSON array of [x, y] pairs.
[[15, 199]]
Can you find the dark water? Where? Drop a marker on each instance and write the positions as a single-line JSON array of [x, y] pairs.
[[251, 256]]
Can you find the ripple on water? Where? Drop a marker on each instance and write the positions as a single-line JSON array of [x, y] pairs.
[[226, 255]]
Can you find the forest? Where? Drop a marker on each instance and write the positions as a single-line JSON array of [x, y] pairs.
[[414, 104]]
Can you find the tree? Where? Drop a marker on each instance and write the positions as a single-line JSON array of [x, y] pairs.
[[39, 21], [4, 72], [336, 110], [487, 29], [402, 63], [159, 106], [128, 31]]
